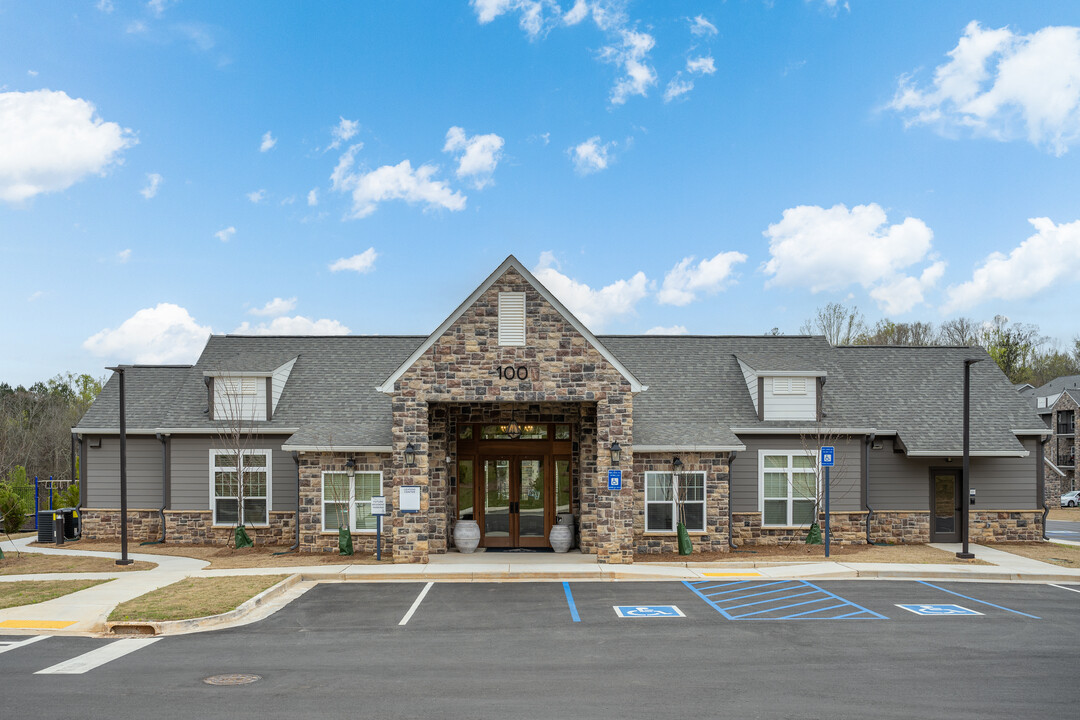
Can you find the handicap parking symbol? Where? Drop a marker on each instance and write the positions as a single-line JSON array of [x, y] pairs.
[[945, 609], [635, 611]]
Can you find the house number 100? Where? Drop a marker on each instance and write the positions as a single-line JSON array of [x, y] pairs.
[[513, 373]]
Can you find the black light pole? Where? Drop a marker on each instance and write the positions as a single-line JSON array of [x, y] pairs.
[[124, 559], [966, 481]]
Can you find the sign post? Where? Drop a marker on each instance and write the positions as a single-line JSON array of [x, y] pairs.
[[828, 456], [378, 509]]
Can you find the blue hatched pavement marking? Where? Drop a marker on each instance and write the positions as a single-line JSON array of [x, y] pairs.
[[720, 600]]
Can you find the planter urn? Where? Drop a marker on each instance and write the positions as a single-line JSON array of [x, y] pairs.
[[466, 535], [561, 537]]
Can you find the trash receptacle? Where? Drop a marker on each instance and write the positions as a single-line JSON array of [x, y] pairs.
[[71, 523], [45, 526]]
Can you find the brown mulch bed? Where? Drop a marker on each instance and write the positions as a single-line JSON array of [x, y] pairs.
[[917, 554], [1048, 552], [227, 558], [31, 563]]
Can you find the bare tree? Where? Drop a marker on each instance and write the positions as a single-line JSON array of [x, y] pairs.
[[887, 332], [812, 443], [1011, 345], [238, 471], [839, 324], [959, 331]]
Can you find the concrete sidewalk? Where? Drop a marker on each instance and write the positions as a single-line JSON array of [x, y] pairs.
[[86, 612]]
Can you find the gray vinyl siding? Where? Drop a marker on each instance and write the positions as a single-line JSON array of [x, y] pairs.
[[190, 478], [898, 482], [846, 492], [143, 473]]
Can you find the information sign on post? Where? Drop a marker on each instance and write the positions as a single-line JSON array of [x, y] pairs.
[[378, 509], [378, 505]]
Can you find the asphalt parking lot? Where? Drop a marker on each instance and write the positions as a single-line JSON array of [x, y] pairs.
[[720, 647]]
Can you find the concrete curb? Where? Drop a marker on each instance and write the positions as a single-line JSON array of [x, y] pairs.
[[228, 619]]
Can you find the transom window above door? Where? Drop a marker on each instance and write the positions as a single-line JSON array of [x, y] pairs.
[[529, 431]]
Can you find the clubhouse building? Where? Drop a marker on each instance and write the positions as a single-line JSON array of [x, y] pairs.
[[512, 414]]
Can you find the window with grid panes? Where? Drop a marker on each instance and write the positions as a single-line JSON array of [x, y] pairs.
[[788, 487]]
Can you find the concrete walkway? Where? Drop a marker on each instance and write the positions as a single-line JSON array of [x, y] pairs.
[[86, 611]]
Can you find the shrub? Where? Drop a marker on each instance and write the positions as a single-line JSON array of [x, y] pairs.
[[13, 509]]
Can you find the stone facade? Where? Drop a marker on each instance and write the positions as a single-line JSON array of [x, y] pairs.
[[715, 537], [182, 527], [846, 528], [1006, 525], [312, 467], [562, 366], [900, 526], [1060, 449]]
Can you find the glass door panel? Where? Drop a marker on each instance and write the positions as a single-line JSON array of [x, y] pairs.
[[946, 526], [562, 485], [532, 499], [497, 489]]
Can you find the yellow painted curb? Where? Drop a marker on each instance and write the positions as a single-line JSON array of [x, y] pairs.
[[37, 624], [743, 574]]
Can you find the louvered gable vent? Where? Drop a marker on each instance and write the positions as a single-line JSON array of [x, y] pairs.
[[511, 318]]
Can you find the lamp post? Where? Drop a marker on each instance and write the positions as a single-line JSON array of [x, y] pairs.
[[965, 482], [124, 559]]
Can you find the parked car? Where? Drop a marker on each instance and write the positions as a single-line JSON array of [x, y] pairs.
[[1070, 499]]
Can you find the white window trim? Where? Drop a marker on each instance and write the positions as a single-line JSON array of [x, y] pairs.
[[269, 485], [673, 501], [812, 454], [352, 500]]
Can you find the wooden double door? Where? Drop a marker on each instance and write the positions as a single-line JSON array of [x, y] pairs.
[[517, 508]]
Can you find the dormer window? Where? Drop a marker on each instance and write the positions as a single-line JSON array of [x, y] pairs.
[[511, 318], [789, 385], [240, 397]]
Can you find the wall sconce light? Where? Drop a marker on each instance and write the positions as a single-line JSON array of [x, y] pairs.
[[676, 463], [410, 454], [616, 453], [350, 467]]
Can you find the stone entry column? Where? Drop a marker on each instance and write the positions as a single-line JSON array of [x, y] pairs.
[[612, 514], [412, 531]]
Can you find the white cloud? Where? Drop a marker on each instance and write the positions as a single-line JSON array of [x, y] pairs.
[[477, 155], [1003, 85], [343, 132], [135, 27], [593, 307], [631, 56], [153, 182], [49, 141], [673, 330], [35, 295], [105, 6], [288, 200], [703, 65], [124, 255], [1047, 257], [685, 280], [904, 293], [157, 7], [256, 196], [298, 325], [701, 27], [392, 182], [831, 249], [577, 13], [591, 156], [277, 306], [677, 87], [313, 197], [165, 333], [362, 263], [268, 142], [536, 16], [32, 73], [226, 234]]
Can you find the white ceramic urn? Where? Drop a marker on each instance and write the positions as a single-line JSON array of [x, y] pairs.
[[466, 535], [561, 537]]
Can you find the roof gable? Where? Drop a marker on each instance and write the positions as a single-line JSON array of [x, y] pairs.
[[513, 263]]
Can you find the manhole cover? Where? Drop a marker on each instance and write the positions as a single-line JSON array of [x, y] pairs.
[[232, 679]]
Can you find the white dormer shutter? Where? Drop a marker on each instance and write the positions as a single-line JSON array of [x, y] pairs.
[[789, 386], [511, 318]]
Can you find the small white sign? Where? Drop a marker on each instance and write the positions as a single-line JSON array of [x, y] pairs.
[[409, 498], [378, 504]]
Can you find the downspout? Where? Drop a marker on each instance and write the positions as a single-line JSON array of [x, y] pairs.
[[1040, 480], [866, 484], [296, 544], [164, 439], [730, 538]]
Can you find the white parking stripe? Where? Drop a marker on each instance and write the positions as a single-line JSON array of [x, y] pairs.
[[1064, 588], [14, 645], [98, 657], [416, 603]]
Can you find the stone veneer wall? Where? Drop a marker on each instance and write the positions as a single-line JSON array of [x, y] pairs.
[[846, 528], [312, 466], [182, 527], [715, 537], [900, 526], [1006, 525], [562, 367], [1055, 485]]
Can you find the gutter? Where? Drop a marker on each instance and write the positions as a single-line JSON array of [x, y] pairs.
[[869, 443], [730, 536], [164, 487]]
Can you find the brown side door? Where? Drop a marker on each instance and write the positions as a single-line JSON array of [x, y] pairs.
[[945, 509]]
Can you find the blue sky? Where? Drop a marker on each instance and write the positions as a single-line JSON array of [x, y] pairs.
[[168, 169]]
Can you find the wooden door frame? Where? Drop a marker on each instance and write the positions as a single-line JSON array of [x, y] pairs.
[[958, 510]]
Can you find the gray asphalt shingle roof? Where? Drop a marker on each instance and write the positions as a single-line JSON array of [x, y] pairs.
[[1055, 387], [697, 393]]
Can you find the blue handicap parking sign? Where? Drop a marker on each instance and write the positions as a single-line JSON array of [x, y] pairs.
[[634, 611], [946, 609], [614, 479], [828, 453]]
